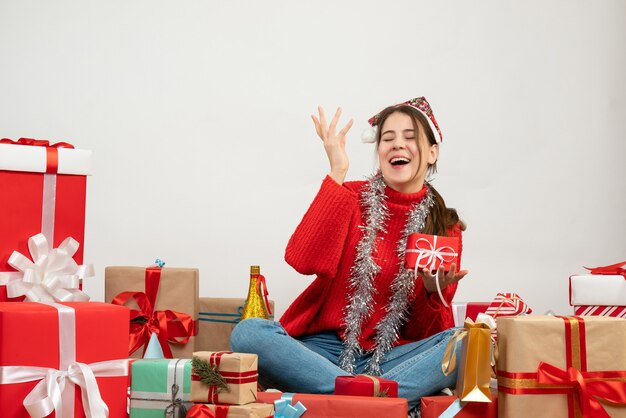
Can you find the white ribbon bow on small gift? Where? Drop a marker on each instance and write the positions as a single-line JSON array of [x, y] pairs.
[[52, 275]]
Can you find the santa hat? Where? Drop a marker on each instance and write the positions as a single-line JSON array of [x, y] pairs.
[[422, 106]]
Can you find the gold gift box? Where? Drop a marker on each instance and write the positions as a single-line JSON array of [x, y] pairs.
[[589, 344], [178, 291], [240, 372]]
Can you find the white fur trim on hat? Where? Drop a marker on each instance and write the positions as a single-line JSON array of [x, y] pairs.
[[368, 136]]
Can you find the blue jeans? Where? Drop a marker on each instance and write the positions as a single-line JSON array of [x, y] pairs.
[[310, 364]]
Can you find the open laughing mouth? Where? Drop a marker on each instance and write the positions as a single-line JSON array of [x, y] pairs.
[[399, 161]]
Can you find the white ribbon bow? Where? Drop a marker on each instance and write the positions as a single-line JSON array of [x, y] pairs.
[[51, 276], [46, 396]]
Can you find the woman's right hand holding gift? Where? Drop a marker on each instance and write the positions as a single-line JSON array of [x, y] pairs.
[[334, 143], [445, 279]]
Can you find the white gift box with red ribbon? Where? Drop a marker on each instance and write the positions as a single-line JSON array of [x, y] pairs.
[[597, 289]]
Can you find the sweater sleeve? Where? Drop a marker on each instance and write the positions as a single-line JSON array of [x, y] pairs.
[[317, 244], [429, 316]]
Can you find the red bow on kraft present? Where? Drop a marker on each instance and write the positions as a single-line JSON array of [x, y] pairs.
[[613, 269], [203, 411], [170, 326], [431, 251], [507, 304], [52, 150]]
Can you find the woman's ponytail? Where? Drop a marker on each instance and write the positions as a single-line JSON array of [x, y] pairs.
[[441, 218]]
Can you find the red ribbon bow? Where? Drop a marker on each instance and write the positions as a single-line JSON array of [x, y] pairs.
[[170, 326], [36, 143], [260, 283], [203, 411], [587, 390], [612, 269]]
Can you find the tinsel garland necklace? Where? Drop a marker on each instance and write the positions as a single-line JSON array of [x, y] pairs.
[[362, 274]]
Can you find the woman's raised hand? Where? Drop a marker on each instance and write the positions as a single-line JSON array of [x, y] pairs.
[[334, 143], [444, 279]]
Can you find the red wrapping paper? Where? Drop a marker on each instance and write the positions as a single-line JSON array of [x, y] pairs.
[[339, 406], [21, 213], [29, 336], [595, 310], [434, 406], [431, 251], [365, 386], [474, 308]]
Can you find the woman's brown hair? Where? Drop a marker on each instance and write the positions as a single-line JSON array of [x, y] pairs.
[[441, 218]]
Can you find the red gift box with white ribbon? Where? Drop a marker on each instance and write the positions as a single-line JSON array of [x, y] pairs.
[[43, 187], [431, 251], [63, 360]]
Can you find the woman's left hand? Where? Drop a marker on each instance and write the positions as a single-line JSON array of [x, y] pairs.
[[444, 279]]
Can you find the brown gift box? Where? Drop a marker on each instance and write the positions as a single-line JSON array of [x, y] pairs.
[[216, 320], [178, 291], [589, 344], [239, 370], [251, 410]]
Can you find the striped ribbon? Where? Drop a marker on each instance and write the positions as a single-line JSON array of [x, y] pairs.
[[224, 318], [595, 310]]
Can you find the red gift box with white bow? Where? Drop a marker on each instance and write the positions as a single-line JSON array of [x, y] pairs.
[[431, 251], [43, 187], [63, 360]]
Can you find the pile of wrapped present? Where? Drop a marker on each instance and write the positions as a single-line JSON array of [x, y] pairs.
[[157, 349]]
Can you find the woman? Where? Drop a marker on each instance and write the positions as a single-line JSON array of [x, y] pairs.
[[365, 312]]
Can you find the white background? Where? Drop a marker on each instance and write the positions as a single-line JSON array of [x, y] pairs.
[[205, 155]]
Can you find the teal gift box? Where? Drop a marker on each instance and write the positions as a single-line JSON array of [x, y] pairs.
[[160, 387]]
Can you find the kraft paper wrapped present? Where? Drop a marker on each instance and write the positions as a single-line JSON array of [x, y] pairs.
[[44, 189], [551, 366], [364, 385], [216, 320], [61, 347], [162, 300], [431, 251], [614, 311], [251, 410], [233, 377], [340, 406], [451, 406], [160, 387]]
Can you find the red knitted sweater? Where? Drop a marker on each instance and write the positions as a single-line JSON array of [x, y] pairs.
[[324, 244]]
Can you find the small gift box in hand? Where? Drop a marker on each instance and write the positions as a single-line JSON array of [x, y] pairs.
[[431, 251]]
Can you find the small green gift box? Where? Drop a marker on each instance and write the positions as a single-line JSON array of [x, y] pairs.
[[160, 387]]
